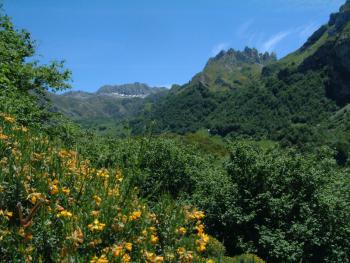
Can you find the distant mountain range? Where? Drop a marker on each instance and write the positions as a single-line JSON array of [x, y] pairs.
[[298, 98], [108, 107], [134, 90]]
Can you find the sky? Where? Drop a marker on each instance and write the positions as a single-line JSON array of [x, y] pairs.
[[160, 42]]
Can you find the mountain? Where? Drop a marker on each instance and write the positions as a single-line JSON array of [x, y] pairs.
[[187, 108], [301, 99], [233, 69], [247, 94], [135, 90], [327, 49], [107, 108]]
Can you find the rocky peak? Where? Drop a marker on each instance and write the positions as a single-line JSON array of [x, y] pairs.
[[345, 7], [248, 55], [340, 19]]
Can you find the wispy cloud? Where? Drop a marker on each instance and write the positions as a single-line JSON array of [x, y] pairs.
[[242, 30], [221, 46], [306, 31], [270, 44]]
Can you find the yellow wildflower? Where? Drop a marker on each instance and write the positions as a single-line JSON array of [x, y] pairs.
[[128, 246], [94, 259], [153, 217], [64, 214], [181, 230], [34, 197], [135, 215], [158, 259], [195, 215], [181, 250], [201, 248], [200, 229], [102, 259], [126, 258], [154, 239], [3, 136], [6, 214], [202, 242], [54, 187], [103, 173], [97, 199], [205, 238], [152, 229], [9, 119], [153, 258], [113, 192], [65, 190], [95, 213], [118, 176], [96, 226], [117, 251]]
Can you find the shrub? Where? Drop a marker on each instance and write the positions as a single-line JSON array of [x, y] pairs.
[[55, 206], [278, 204]]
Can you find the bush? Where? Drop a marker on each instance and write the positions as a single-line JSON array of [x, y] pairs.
[[281, 205], [215, 249], [55, 206], [167, 167], [247, 258]]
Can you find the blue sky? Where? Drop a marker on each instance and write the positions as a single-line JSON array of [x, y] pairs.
[[160, 42]]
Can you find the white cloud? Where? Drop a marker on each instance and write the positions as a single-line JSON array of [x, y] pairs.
[[270, 44], [306, 31], [217, 48], [242, 30]]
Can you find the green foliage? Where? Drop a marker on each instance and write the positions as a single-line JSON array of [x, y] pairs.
[[167, 167], [247, 258], [215, 249], [279, 205], [56, 206], [23, 81]]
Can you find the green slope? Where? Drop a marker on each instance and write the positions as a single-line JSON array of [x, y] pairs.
[[250, 94]]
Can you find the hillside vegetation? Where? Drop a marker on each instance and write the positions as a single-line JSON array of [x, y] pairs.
[[247, 94]]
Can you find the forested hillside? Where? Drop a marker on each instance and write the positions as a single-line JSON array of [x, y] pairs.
[[247, 94]]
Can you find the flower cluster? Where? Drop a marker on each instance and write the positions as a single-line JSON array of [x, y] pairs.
[[84, 213]]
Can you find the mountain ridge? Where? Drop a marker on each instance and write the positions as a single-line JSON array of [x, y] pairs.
[[108, 107], [273, 100]]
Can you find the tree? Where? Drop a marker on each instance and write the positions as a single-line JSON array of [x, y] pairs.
[[281, 205], [24, 82]]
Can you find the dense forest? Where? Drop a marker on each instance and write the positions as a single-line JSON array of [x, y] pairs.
[[248, 162]]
